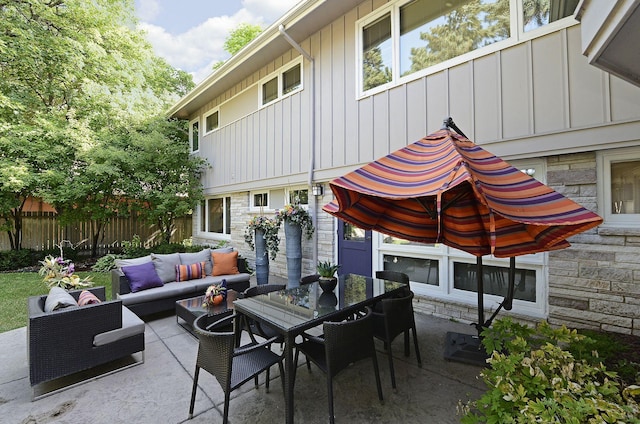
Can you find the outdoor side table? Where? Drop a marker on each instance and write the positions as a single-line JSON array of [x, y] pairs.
[[190, 309]]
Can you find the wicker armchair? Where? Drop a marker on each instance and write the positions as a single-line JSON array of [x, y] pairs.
[[231, 366], [343, 343], [63, 342], [396, 318]]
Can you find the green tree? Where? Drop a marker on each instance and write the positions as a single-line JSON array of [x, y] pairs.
[[375, 73], [239, 37], [72, 73], [166, 182]]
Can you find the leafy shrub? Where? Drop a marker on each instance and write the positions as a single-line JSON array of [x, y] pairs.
[[533, 378], [16, 259], [106, 263]]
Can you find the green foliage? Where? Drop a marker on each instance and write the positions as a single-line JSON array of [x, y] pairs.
[[15, 259], [327, 269], [240, 37], [270, 228], [534, 379], [106, 263], [75, 77]]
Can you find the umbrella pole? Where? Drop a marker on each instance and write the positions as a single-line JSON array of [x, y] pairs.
[[479, 277]]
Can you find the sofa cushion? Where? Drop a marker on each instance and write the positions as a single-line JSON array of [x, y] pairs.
[[167, 291], [58, 298], [142, 277], [224, 263], [166, 265], [131, 325], [202, 256], [132, 261], [87, 298], [190, 272]]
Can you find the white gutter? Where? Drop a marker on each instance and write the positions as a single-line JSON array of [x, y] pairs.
[[312, 154]]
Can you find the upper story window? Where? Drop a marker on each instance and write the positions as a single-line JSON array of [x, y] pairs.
[[406, 37], [215, 215], [620, 187], [286, 81], [194, 135], [537, 13], [211, 121]]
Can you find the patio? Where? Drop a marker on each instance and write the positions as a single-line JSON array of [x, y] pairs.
[[159, 390]]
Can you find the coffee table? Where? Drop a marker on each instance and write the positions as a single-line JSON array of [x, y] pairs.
[[190, 309]]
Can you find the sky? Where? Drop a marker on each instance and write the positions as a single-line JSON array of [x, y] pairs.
[[190, 34]]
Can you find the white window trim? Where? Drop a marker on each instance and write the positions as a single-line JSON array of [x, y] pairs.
[[518, 36], [210, 234], [278, 74], [204, 120], [197, 120], [604, 159], [288, 190], [253, 208]]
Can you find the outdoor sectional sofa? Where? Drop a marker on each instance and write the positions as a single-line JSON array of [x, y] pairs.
[[75, 338], [218, 264]]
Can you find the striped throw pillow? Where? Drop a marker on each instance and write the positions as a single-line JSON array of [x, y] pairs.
[[189, 272], [87, 298]]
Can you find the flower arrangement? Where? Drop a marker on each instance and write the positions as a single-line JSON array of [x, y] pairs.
[[298, 215], [270, 228], [60, 272], [214, 295]]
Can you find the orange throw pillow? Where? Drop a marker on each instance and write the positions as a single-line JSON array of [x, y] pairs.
[[225, 263]]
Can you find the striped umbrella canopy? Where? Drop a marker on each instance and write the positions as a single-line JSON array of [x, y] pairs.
[[446, 189]]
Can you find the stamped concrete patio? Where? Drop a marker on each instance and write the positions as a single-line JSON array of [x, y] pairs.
[[159, 390]]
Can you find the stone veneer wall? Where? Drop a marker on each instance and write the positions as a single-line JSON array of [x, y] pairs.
[[596, 282]]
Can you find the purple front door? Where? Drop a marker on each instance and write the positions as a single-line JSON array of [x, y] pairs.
[[354, 249]]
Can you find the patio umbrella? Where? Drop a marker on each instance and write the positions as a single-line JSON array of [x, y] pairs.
[[446, 189]]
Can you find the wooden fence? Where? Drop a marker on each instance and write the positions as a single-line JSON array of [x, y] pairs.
[[41, 231]]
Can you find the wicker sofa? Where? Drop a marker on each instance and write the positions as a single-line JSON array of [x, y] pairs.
[[163, 298], [65, 341]]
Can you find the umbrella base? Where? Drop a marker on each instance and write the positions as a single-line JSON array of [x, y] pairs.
[[465, 348]]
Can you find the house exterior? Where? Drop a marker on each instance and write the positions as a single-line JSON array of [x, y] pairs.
[[336, 84]]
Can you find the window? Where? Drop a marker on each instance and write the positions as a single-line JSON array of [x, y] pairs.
[[537, 13], [194, 136], [215, 215], [211, 121], [270, 91], [405, 37], [259, 200], [620, 188], [285, 82], [298, 196]]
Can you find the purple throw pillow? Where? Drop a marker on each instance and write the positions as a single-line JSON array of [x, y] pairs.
[[142, 277]]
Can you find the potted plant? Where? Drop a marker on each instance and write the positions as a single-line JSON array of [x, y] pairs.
[[296, 220], [327, 272], [261, 234]]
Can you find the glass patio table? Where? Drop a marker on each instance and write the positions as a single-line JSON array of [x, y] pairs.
[[292, 311]]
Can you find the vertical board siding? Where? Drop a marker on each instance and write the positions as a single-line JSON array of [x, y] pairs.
[[586, 88], [548, 83], [486, 98], [538, 87]]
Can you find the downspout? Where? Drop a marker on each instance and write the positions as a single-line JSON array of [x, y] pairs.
[[312, 154]]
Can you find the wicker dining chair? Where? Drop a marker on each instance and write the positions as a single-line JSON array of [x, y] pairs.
[[396, 276], [343, 344], [396, 318], [254, 327], [231, 366]]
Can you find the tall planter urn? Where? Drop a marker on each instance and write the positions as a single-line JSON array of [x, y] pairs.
[[262, 257], [293, 243], [261, 235]]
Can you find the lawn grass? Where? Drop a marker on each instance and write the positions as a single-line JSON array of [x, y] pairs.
[[16, 287]]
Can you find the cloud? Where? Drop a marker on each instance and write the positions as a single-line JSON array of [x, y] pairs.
[[148, 10], [197, 49]]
